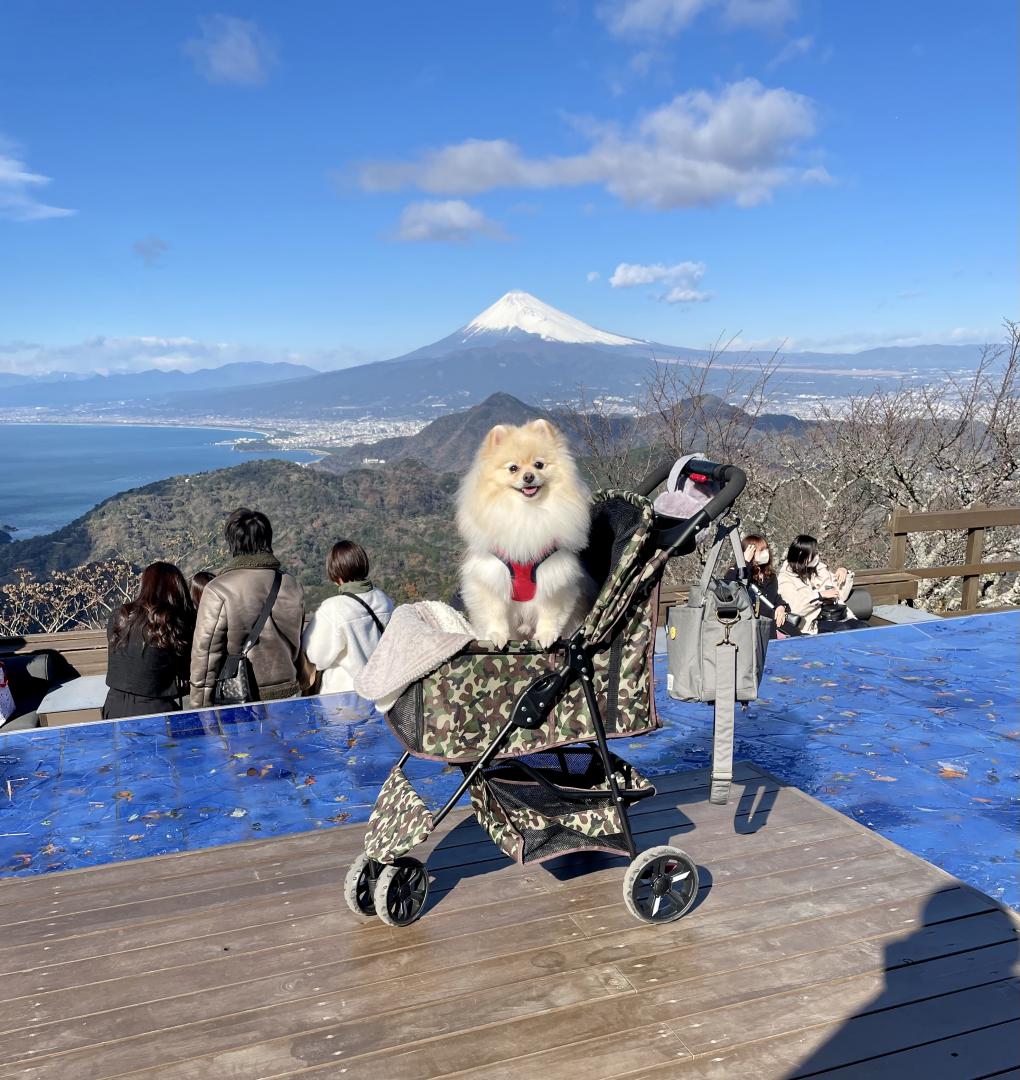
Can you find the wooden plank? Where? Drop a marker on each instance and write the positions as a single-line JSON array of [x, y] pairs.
[[71, 716], [30, 1001], [819, 1003], [951, 520], [472, 1049], [984, 1052], [605, 1056], [976, 569], [126, 953]]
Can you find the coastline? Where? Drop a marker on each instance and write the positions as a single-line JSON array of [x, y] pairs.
[[60, 469]]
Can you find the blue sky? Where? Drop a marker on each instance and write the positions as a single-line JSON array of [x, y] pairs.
[[344, 182]]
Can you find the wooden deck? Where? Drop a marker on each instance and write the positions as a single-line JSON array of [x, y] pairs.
[[817, 947]]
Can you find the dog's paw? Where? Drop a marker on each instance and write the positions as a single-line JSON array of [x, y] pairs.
[[498, 638], [547, 636]]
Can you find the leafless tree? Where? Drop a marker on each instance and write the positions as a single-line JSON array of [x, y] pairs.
[[76, 599]]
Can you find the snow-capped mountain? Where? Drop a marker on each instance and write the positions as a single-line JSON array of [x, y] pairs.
[[520, 312], [524, 347]]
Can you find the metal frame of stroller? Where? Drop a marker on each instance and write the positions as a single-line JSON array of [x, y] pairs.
[[661, 883]]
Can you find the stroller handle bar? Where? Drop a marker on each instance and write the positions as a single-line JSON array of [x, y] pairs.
[[732, 478]]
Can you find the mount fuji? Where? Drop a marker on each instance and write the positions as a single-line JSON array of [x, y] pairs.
[[519, 345], [524, 347]]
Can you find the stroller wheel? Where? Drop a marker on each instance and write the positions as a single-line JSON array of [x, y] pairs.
[[400, 891], [660, 885], [359, 885]]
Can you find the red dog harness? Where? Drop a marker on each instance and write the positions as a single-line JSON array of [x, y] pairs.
[[524, 576]]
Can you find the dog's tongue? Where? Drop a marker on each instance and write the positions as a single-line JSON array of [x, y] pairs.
[[529, 491]]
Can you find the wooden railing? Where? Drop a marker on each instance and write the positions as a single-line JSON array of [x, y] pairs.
[[973, 522], [84, 650]]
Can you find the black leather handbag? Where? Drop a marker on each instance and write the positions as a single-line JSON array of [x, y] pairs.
[[236, 683]]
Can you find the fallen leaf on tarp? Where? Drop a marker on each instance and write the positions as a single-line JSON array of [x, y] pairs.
[[127, 796], [951, 772], [886, 779], [339, 819], [136, 836], [240, 757], [23, 857], [309, 780], [978, 798]]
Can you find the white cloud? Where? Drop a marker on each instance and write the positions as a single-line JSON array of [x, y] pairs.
[[150, 249], [231, 50], [452, 221], [105, 355], [697, 150], [679, 280], [631, 18], [593, 275], [18, 187], [790, 51]]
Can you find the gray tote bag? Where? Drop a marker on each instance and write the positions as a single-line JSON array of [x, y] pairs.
[[716, 645]]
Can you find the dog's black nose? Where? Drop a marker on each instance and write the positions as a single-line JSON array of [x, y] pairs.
[[529, 478]]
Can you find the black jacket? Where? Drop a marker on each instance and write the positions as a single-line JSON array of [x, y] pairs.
[[142, 679]]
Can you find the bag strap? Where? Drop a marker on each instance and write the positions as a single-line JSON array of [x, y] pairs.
[[255, 632], [364, 603], [723, 720], [722, 533]]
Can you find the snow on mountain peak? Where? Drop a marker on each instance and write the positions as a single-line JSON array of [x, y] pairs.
[[524, 312]]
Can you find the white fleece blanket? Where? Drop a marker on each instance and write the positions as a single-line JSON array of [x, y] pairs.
[[418, 638]]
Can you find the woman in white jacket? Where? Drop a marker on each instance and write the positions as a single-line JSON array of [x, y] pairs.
[[342, 634], [805, 583]]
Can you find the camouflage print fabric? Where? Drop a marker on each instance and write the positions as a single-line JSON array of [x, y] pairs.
[[495, 820], [619, 590], [467, 700], [497, 805], [399, 821]]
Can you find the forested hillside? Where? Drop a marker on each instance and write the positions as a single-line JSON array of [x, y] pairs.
[[403, 516]]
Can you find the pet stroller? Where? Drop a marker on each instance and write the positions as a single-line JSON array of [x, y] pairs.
[[530, 727]]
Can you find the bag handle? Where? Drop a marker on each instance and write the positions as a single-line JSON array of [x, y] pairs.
[[364, 603], [252, 638], [722, 533]]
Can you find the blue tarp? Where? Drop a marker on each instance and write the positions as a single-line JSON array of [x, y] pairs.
[[912, 730]]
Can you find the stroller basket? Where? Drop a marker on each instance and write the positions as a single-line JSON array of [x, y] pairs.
[[546, 804]]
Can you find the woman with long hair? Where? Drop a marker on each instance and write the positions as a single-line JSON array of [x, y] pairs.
[[149, 642], [809, 588]]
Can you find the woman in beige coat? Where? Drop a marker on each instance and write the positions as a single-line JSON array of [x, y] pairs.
[[805, 583]]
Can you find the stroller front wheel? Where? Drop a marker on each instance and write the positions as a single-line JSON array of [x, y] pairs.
[[359, 885], [660, 885], [400, 891]]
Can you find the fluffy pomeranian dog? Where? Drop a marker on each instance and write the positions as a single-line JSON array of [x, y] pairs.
[[524, 512]]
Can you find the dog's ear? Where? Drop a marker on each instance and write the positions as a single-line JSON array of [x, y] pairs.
[[546, 429], [496, 436]]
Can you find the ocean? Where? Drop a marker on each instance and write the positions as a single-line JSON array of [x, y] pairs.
[[52, 473]]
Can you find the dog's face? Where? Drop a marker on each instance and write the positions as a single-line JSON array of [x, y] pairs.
[[523, 464]]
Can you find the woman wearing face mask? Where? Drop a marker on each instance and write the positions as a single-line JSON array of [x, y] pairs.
[[806, 584], [762, 577]]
